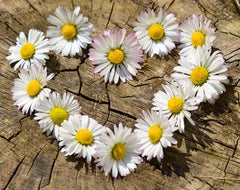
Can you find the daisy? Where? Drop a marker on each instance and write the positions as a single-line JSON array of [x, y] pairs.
[[79, 135], [54, 110], [31, 49], [115, 56], [204, 72], [28, 89], [195, 31], [70, 33], [156, 34], [154, 132], [118, 151], [176, 102]]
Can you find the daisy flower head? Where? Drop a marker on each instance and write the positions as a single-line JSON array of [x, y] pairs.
[[118, 151], [115, 56], [52, 111], [176, 103], [30, 49], [70, 33], [204, 72], [195, 31], [154, 132], [79, 135], [156, 33], [29, 89]]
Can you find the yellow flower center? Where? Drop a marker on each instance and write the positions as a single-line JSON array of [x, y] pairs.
[[156, 31], [175, 105], [84, 136], [198, 39], [155, 133], [199, 76], [119, 151], [27, 51], [58, 115], [69, 31], [116, 56], [33, 88]]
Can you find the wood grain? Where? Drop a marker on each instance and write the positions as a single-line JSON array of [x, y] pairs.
[[207, 155]]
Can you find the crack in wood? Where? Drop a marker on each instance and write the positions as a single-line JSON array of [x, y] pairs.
[[130, 26], [205, 182], [215, 25], [15, 152], [235, 148], [34, 9], [231, 52], [67, 70], [155, 77], [223, 144], [14, 173], [9, 27], [170, 4], [79, 75], [226, 60], [139, 85], [39, 185], [91, 6], [123, 113], [128, 96], [20, 123], [233, 61], [63, 71], [109, 103], [4, 138], [51, 171], [206, 121], [127, 20], [72, 4], [35, 158], [15, 134], [202, 8], [117, 25], [220, 178], [87, 98], [225, 168], [110, 15], [229, 33], [15, 18]]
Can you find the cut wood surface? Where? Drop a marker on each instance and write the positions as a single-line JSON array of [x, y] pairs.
[[207, 155]]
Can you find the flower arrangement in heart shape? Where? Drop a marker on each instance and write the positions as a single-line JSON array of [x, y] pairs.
[[118, 57]]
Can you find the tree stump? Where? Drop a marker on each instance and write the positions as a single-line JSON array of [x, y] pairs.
[[207, 155]]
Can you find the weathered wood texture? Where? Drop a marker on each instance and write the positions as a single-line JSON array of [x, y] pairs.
[[207, 155]]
